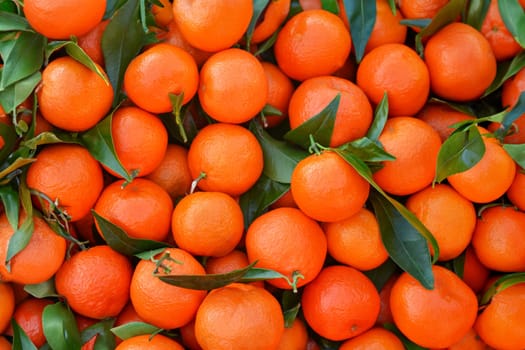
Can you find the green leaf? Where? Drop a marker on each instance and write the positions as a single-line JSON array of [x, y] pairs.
[[99, 142], [8, 137], [516, 152], [25, 58], [381, 274], [380, 118], [20, 339], [506, 70], [76, 52], [280, 158], [259, 197], [11, 205], [60, 327], [291, 304], [122, 40], [514, 17], [458, 265], [416, 22], [501, 284], [42, 290], [20, 238], [132, 329], [290, 315], [362, 17], [476, 11], [117, 239], [319, 126], [331, 6], [16, 93], [13, 167], [150, 254], [367, 150], [517, 111], [258, 8], [12, 22], [102, 330], [459, 152]]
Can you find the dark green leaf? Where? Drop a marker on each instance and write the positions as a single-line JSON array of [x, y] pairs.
[[20, 339], [405, 245], [81, 56], [516, 152], [12, 22], [20, 238], [11, 205], [8, 137], [331, 6], [14, 167], [367, 150], [476, 11], [381, 274], [514, 17], [502, 283], [117, 239], [380, 118], [112, 6], [280, 158], [16, 93], [42, 290], [259, 197], [506, 70], [290, 315], [416, 22], [60, 327], [517, 111], [320, 127], [132, 329], [459, 152], [258, 8], [261, 274], [47, 137], [266, 45], [409, 345], [102, 330], [458, 265], [362, 17]]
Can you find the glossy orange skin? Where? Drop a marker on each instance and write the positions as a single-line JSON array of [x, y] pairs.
[[28, 315], [442, 117], [475, 274], [375, 338], [147, 342], [91, 42], [294, 337], [5, 344], [516, 191], [387, 27], [416, 9], [280, 90], [7, 299], [273, 16], [510, 92]]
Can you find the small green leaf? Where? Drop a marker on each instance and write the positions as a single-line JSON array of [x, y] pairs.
[[380, 118], [266, 45], [60, 327], [458, 265], [12, 22], [102, 330], [459, 152], [150, 254], [117, 239], [416, 22], [381, 274], [42, 290], [12, 168], [476, 11], [76, 52], [362, 18], [319, 126], [517, 111], [280, 158], [16, 93], [516, 152], [331, 6], [291, 314], [8, 138], [367, 150], [20, 339], [291, 304], [20, 238], [501, 284], [258, 8], [132, 329], [514, 17], [259, 197], [11, 205], [506, 70]]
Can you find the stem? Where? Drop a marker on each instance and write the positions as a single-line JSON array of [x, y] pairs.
[[195, 182], [159, 263]]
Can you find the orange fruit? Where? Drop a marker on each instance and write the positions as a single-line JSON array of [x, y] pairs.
[[280, 90], [500, 39], [68, 175], [415, 145], [271, 19], [510, 92], [501, 322], [234, 260], [225, 94], [212, 25], [141, 208], [239, 316], [5, 344], [356, 241], [387, 27], [449, 216], [227, 156], [28, 315], [398, 71], [289, 242], [385, 314], [163, 13], [91, 42], [33, 264], [64, 18], [160, 70], [95, 282], [72, 96], [312, 43], [187, 334], [173, 173], [7, 299], [516, 191], [354, 113], [340, 303], [294, 337], [326, 188], [488, 179], [149, 342], [374, 338], [441, 117], [433, 318], [470, 341], [475, 274], [125, 316], [162, 304], [497, 239], [140, 140], [207, 223], [420, 9], [286, 200], [452, 76]]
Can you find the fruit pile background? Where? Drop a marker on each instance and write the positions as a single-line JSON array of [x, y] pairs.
[[262, 174]]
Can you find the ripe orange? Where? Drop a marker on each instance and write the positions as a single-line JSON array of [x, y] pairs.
[[239, 316], [7, 299], [149, 342], [95, 282], [385, 314], [435, 318], [161, 70], [212, 25], [159, 303], [163, 13], [356, 241], [141, 208], [460, 61], [510, 92], [501, 323], [5, 344], [387, 27], [449, 216], [228, 156], [294, 337], [73, 97], [140, 140], [173, 173], [280, 90], [475, 274], [441, 117], [187, 334], [354, 113], [498, 239], [28, 315], [64, 18], [228, 95], [34, 264], [289, 242], [271, 19], [286, 200], [207, 223], [375, 338], [340, 303], [488, 179], [471, 341], [420, 9], [415, 145], [326, 188], [312, 43], [399, 71], [516, 191], [500, 39], [91, 42]]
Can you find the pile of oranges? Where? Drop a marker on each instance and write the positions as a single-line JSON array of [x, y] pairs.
[[270, 174]]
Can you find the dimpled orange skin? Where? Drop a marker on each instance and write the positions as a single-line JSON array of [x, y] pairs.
[[149, 342], [273, 16], [376, 338], [7, 299]]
